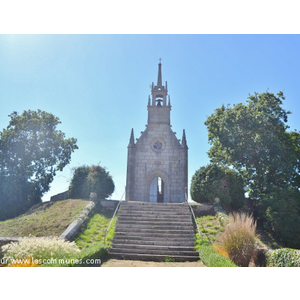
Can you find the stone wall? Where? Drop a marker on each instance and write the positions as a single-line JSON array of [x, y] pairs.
[[109, 204], [60, 196], [203, 210]]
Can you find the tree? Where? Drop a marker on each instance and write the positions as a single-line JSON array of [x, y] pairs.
[[87, 179], [32, 150], [77, 185], [282, 207], [218, 183], [253, 139]]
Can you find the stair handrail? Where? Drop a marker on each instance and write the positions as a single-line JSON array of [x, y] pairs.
[[115, 212], [193, 214]]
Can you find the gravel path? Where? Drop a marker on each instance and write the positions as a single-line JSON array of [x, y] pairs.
[[138, 263]]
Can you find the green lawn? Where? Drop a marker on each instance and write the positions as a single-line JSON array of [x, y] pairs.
[[95, 229], [210, 228]]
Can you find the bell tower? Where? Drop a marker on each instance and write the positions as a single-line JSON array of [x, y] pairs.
[[157, 161], [158, 109]]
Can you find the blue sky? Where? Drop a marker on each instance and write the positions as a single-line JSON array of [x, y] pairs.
[[98, 85]]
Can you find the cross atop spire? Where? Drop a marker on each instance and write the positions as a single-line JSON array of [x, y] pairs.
[[159, 81], [160, 60]]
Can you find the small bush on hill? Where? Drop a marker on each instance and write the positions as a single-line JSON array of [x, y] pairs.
[[238, 239], [211, 258], [87, 179], [284, 257]]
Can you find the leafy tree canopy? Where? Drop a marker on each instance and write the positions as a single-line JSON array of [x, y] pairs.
[[253, 138], [32, 150]]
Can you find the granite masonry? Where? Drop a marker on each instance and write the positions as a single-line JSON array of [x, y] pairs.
[[157, 165]]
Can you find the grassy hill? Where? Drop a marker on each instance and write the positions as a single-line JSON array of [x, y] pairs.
[[49, 219]]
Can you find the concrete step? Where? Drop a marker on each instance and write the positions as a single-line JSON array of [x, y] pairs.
[[152, 217], [163, 251], [162, 242], [156, 257], [155, 226], [159, 207], [143, 248], [154, 235], [154, 205], [142, 219], [138, 213], [159, 232], [158, 221], [151, 204]]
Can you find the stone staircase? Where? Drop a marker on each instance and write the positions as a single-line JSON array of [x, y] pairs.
[[154, 231]]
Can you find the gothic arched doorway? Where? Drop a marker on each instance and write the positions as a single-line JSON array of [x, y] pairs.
[[157, 190]]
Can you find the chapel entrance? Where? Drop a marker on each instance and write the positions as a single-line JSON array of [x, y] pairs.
[[157, 187]]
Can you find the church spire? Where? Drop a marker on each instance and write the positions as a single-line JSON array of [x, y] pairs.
[[183, 141], [159, 92], [158, 108], [131, 141], [159, 77]]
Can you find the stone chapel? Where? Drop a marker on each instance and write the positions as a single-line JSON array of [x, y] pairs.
[[157, 163]]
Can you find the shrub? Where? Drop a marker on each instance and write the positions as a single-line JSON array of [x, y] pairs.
[[41, 249], [211, 258], [238, 239], [281, 209], [284, 257], [87, 179], [218, 185]]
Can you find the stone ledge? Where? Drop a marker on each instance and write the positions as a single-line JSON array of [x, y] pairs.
[[74, 227], [203, 209], [109, 204]]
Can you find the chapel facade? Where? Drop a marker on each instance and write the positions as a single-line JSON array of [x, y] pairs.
[[157, 163]]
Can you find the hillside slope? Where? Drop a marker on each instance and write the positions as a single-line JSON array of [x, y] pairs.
[[49, 219]]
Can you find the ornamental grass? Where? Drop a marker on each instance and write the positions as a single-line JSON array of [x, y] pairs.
[[39, 248], [238, 238]]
